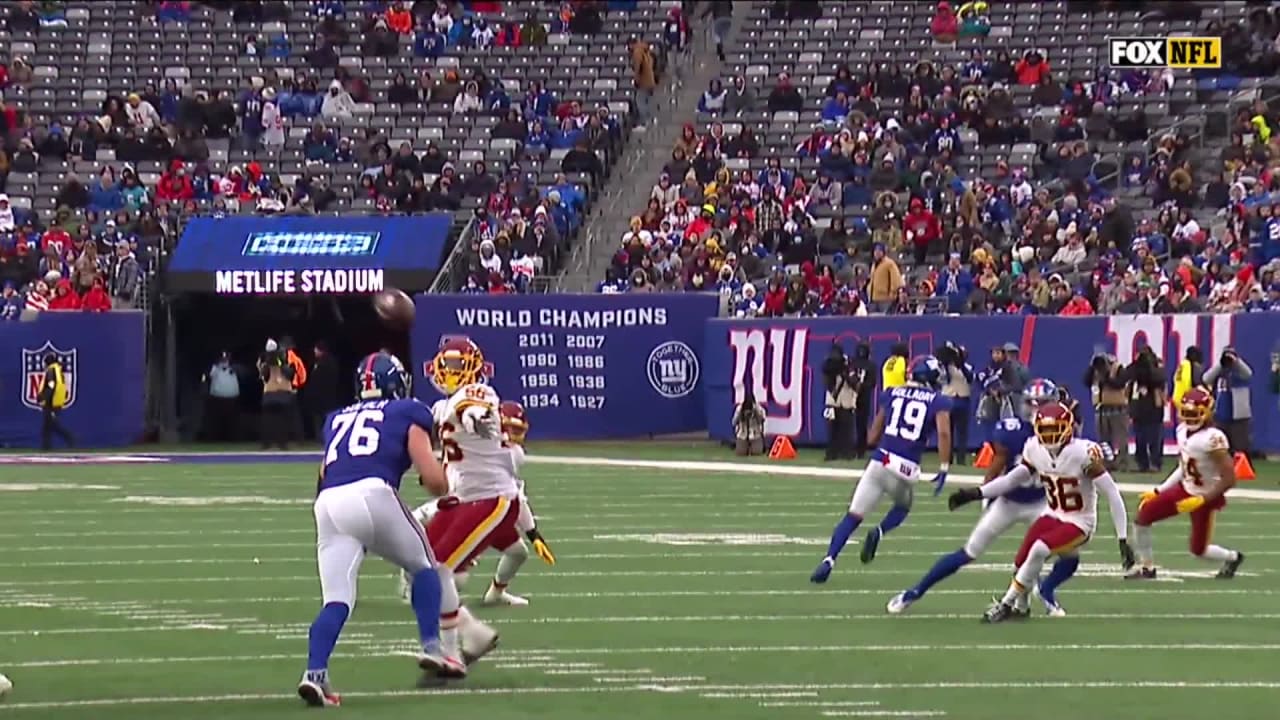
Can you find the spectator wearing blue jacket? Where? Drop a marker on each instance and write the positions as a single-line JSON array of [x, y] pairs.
[[428, 43], [955, 283], [945, 139], [712, 100], [497, 102], [168, 107], [278, 47], [539, 101], [105, 195], [538, 140], [835, 109]]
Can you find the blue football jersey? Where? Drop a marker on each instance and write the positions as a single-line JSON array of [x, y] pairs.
[[1012, 434], [909, 419], [370, 439]]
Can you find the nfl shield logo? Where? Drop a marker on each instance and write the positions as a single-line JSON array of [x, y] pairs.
[[33, 372]]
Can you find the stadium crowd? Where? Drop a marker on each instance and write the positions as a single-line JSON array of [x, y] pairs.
[[110, 231], [891, 221]]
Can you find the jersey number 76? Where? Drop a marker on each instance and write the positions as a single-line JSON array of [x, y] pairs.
[[359, 430]]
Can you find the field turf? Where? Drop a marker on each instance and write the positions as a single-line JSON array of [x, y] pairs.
[[182, 590]]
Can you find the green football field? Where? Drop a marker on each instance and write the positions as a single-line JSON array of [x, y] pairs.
[[180, 590]]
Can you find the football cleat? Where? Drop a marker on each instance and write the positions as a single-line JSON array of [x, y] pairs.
[[1141, 573], [871, 544], [477, 640], [998, 613], [1229, 569], [494, 596], [823, 571], [318, 695], [900, 602], [442, 666], [1051, 606]]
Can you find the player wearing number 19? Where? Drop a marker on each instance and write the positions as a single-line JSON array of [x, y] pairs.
[[369, 446], [900, 433]]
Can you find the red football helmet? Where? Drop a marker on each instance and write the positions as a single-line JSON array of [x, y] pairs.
[[1195, 407], [458, 362], [1053, 424], [514, 422]]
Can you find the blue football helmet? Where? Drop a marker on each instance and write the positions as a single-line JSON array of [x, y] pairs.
[[925, 370], [1038, 392], [381, 376]]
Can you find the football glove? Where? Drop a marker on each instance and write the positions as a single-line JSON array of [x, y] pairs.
[[1191, 504], [939, 482], [962, 497], [541, 548], [1147, 497], [478, 421], [1127, 559], [828, 413]]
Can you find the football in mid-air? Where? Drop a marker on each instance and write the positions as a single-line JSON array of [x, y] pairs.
[[394, 308], [5, 686]]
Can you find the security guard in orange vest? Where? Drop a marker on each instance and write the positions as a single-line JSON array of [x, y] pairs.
[[54, 394]]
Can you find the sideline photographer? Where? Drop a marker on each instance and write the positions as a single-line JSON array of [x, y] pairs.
[[957, 384], [748, 425], [1232, 403], [866, 371], [1105, 379], [842, 383], [1146, 391]]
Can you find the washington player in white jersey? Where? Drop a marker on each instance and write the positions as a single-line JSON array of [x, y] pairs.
[[1197, 487], [515, 428], [1072, 472], [484, 501]]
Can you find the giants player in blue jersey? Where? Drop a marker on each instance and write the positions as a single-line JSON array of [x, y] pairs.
[[1023, 504], [368, 447], [900, 433]]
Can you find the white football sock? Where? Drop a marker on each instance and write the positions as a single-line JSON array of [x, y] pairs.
[[1142, 545], [1218, 554], [509, 564]]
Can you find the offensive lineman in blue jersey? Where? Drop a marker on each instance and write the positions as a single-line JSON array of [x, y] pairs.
[[368, 447], [1021, 505], [900, 442]]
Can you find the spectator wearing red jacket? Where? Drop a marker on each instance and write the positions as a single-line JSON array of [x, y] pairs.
[[64, 297], [400, 19], [174, 184], [1078, 306], [944, 26], [1032, 69], [97, 299], [921, 228], [775, 299]]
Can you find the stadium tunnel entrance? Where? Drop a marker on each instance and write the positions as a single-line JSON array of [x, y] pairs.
[[193, 328]]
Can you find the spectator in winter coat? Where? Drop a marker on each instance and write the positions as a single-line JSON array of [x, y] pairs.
[[921, 228], [469, 101], [944, 26], [141, 114], [955, 284], [713, 98], [400, 19], [886, 279], [64, 296], [785, 97], [124, 277], [104, 195], [740, 97], [1032, 68], [96, 299], [272, 121], [174, 184], [337, 103]]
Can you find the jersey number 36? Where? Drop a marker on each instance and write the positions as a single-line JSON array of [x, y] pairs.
[[1064, 493]]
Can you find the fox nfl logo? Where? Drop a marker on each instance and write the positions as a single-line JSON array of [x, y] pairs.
[[1193, 53]]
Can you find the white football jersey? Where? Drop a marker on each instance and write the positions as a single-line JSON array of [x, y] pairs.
[[479, 465], [1195, 450], [1070, 491]]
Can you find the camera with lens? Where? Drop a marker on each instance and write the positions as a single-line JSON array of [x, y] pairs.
[[949, 354], [1227, 359]]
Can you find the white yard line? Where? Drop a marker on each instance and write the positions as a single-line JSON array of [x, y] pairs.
[[290, 630], [739, 469], [601, 689], [884, 713], [551, 658]]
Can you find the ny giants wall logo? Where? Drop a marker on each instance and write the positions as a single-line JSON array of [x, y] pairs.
[[776, 364]]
